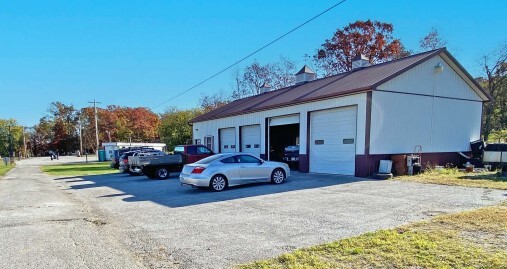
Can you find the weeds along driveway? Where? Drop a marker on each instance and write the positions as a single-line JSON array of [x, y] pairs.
[[203, 229]]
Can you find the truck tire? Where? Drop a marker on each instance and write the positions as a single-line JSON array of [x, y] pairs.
[[150, 173], [162, 172]]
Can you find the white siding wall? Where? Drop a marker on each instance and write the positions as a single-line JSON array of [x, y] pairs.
[[423, 80], [201, 129], [401, 121]]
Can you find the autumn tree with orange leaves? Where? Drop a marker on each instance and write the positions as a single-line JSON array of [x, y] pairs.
[[121, 124], [59, 130], [373, 39]]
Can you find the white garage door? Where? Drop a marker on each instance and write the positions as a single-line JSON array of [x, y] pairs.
[[227, 140], [251, 139], [284, 120], [333, 141]]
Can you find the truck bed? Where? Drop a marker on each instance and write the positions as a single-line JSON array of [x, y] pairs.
[[169, 160]]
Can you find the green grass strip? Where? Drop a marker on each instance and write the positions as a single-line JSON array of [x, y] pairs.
[[81, 169], [471, 239], [4, 169]]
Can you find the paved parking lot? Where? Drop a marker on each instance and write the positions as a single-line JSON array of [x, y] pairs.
[[194, 228]]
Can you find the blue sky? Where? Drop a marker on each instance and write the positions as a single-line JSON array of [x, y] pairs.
[[140, 53]]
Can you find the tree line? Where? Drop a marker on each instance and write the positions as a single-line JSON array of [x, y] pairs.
[[66, 128], [11, 138], [494, 81]]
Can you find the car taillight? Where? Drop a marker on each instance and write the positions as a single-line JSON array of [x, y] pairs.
[[198, 170]]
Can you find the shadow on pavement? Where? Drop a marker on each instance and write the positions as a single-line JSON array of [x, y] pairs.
[[170, 193]]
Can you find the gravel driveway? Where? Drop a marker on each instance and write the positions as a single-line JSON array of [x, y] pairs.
[[201, 229]]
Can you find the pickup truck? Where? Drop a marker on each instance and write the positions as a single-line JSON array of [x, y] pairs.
[[161, 166], [117, 154]]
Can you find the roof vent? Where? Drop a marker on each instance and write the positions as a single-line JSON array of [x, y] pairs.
[[360, 61], [265, 88], [305, 75]]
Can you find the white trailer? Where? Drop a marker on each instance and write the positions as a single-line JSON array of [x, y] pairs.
[[109, 147]]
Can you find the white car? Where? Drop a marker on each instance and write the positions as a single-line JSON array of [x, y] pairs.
[[230, 169]]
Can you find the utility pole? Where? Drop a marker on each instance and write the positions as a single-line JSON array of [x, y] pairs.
[[80, 136], [96, 123], [24, 142], [86, 152], [11, 151]]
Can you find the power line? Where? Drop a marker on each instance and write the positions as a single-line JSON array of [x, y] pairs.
[[251, 54]]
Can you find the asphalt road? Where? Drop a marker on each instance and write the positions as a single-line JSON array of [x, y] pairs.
[[120, 221]]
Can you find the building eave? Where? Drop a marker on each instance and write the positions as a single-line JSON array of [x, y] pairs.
[[288, 104], [471, 81]]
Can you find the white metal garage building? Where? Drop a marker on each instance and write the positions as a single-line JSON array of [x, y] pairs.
[[345, 124]]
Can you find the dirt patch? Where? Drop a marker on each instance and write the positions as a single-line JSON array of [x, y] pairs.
[[63, 220], [95, 221], [433, 213]]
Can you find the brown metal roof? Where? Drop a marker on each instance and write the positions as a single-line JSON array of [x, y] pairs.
[[354, 81]]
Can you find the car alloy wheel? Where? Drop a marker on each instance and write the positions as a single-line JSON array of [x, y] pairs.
[[278, 176], [218, 183], [162, 173], [135, 171]]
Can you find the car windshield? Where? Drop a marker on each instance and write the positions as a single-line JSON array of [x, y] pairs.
[[292, 148], [179, 149], [209, 159]]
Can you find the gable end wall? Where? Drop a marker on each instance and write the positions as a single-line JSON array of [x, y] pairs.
[[440, 112], [423, 80]]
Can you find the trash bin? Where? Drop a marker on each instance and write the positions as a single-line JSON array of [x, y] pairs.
[[102, 155], [399, 164]]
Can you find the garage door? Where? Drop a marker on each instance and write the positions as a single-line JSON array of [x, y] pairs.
[[227, 140], [284, 120], [251, 139], [333, 141]]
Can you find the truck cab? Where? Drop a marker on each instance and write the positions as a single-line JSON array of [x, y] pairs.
[[193, 153]]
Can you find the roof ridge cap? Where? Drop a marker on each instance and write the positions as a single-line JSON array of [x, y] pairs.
[[429, 52]]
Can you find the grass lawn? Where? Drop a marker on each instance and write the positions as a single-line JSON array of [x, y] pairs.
[[456, 178], [470, 239], [4, 169], [81, 169]]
